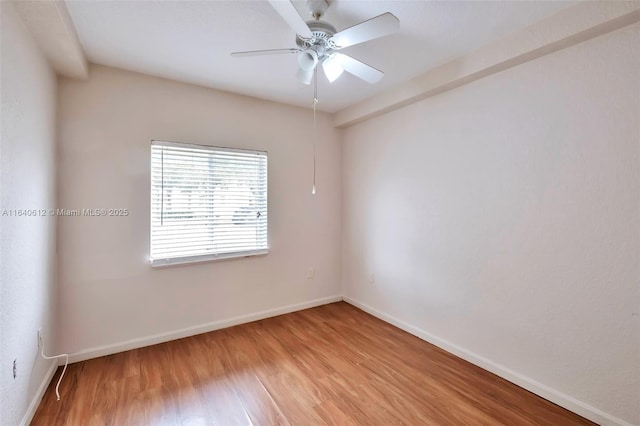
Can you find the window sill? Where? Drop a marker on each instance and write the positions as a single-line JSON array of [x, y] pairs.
[[176, 261]]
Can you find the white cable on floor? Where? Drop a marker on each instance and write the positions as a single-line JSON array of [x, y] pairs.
[[66, 362]]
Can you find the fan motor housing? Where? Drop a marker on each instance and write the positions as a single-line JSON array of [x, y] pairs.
[[321, 41]]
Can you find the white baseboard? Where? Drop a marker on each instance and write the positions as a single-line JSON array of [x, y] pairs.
[[140, 342], [33, 406], [527, 383]]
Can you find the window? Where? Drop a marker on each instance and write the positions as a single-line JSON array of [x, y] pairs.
[[206, 203]]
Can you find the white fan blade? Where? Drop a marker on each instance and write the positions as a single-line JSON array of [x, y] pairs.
[[287, 10], [305, 77], [265, 52], [379, 26], [359, 69]]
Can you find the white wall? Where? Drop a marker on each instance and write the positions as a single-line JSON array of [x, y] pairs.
[[503, 217], [108, 291], [27, 244]]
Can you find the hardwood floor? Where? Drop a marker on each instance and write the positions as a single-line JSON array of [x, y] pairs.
[[328, 365]]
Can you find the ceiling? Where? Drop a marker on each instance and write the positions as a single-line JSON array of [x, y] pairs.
[[190, 41]]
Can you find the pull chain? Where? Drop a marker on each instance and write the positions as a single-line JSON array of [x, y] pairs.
[[315, 133]]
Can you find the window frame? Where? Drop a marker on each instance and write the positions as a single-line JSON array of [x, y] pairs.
[[183, 260]]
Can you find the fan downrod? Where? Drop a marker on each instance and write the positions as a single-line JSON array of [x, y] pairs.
[[317, 8]]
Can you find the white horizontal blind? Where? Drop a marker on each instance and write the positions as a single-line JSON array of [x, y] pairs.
[[206, 202]]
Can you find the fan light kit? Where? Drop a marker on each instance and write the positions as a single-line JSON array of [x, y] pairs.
[[319, 43]]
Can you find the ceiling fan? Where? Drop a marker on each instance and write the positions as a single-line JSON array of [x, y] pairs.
[[319, 43]]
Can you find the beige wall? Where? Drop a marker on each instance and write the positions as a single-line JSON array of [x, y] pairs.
[[501, 220], [109, 294], [27, 244]]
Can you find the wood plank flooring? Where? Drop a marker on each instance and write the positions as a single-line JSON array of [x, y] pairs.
[[333, 365]]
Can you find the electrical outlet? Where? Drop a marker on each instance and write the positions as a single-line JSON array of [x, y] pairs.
[[372, 278], [310, 273], [40, 338], [15, 368]]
